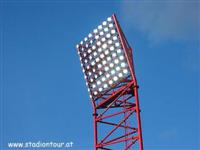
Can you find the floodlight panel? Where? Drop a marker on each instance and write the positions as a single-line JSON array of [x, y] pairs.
[[103, 58]]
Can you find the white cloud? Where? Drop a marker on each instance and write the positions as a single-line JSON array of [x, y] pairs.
[[163, 21], [169, 134]]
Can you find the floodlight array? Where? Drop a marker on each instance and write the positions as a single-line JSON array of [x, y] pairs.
[[103, 59]]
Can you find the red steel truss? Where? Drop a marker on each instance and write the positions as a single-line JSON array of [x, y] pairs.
[[117, 123]]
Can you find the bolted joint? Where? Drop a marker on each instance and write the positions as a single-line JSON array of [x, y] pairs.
[[94, 114], [136, 86]]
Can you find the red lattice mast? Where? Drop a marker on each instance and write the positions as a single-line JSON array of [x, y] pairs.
[[116, 112]]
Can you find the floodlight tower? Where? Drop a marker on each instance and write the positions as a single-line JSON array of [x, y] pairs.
[[107, 62]]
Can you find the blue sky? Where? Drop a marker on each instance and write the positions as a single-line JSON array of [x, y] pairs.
[[43, 92]]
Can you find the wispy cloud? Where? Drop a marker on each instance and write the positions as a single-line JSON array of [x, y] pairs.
[[163, 21], [169, 134]]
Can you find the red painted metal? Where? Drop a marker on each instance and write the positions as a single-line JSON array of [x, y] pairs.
[[122, 108]]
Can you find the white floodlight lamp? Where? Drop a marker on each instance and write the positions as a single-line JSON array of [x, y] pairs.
[[103, 58]]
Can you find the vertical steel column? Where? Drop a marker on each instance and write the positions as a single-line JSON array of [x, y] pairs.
[[95, 125], [138, 117]]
